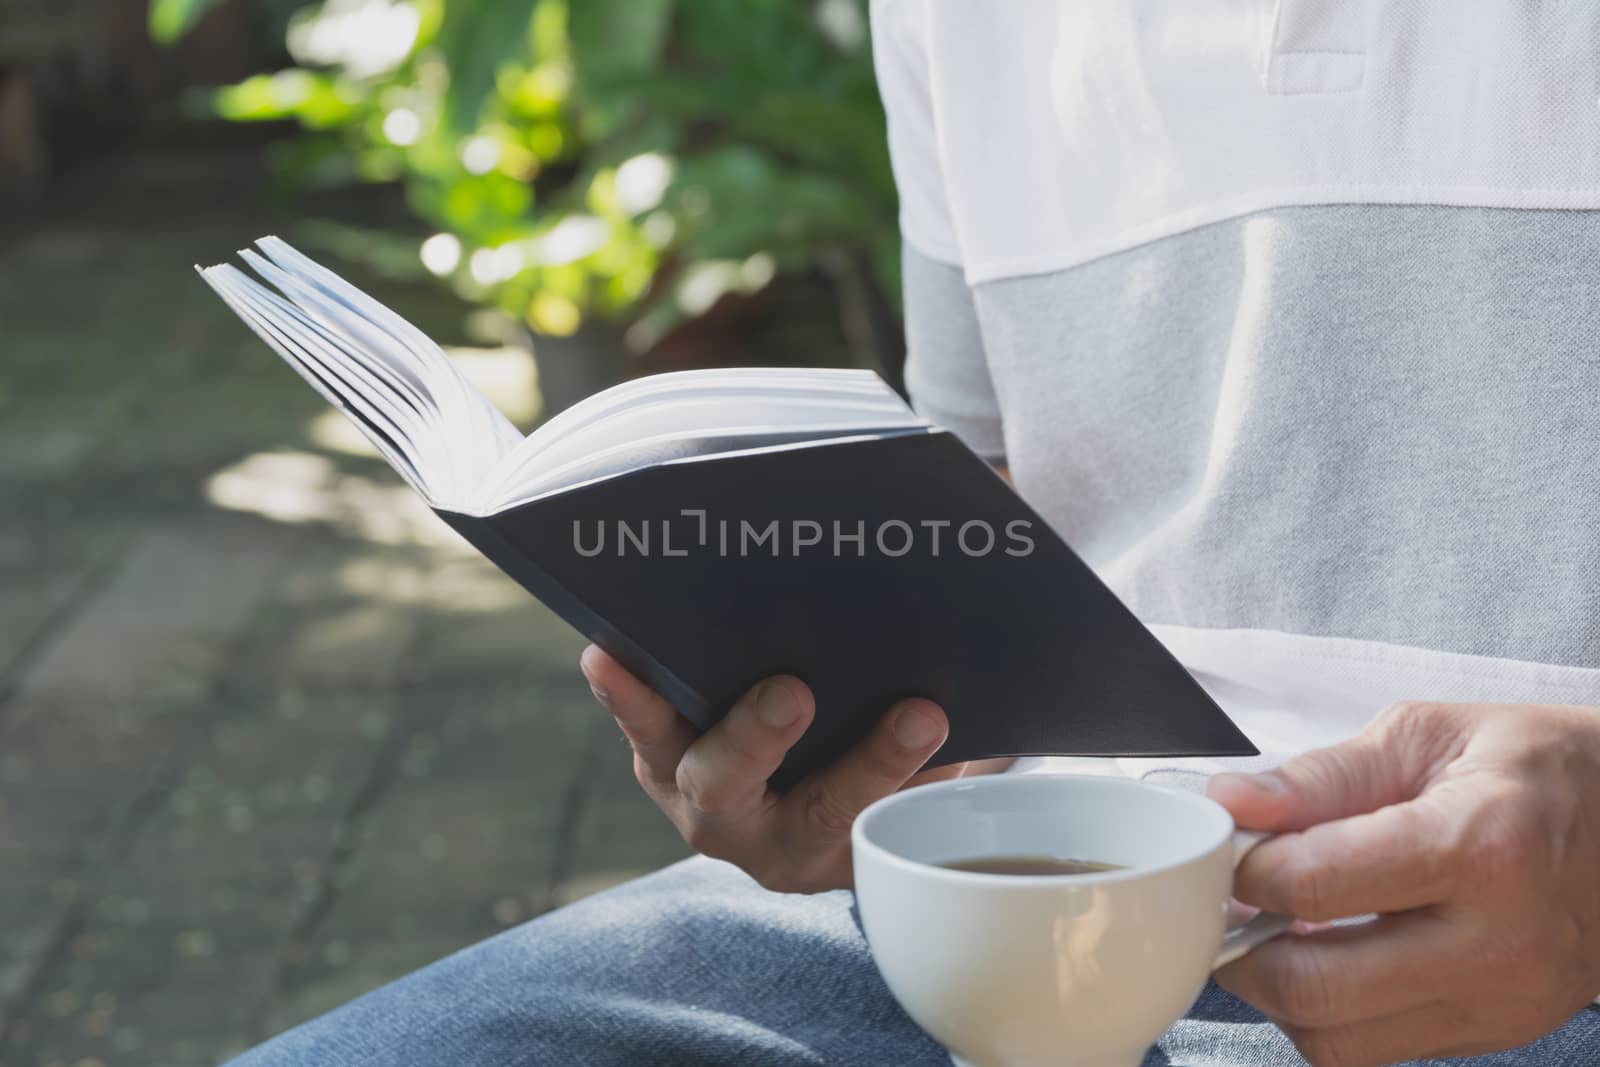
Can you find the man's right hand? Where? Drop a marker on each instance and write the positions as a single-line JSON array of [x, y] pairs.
[[713, 786]]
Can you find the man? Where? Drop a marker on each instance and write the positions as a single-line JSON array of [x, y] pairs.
[[1285, 314]]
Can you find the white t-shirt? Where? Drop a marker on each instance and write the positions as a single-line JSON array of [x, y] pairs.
[[1250, 298]]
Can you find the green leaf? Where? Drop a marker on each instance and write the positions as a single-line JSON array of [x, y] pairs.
[[611, 37], [315, 161], [317, 100], [775, 132], [483, 210], [477, 38], [614, 42], [171, 19]]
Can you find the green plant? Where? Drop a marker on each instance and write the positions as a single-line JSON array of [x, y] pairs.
[[633, 158], [171, 19]]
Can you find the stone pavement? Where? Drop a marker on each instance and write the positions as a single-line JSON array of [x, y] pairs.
[[269, 735]]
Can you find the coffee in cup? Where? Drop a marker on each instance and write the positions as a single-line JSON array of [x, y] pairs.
[[1008, 968]]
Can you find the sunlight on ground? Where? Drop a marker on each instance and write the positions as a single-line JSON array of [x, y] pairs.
[[333, 431], [303, 487], [299, 487], [464, 585]]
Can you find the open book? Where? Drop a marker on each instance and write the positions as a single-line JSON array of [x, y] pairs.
[[709, 528]]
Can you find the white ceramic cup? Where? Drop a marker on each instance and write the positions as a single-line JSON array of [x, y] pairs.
[[1035, 970]]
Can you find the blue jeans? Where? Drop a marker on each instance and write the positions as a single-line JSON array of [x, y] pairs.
[[696, 965]]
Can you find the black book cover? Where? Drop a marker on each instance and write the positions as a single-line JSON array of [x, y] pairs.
[[704, 576]]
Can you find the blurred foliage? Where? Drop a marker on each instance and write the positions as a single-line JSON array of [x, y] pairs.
[[171, 19], [636, 158]]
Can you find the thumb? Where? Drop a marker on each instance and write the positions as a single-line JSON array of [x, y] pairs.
[[1348, 779]]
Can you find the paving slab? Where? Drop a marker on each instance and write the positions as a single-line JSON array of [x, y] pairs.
[[619, 834], [177, 950], [468, 838], [270, 734], [165, 621], [344, 617]]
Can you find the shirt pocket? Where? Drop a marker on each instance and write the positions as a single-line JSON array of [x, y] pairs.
[[1316, 47]]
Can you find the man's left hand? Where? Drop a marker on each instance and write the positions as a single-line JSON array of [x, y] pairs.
[[1473, 832]]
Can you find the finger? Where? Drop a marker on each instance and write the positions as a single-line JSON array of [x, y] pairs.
[[658, 734], [1395, 859], [940, 774], [1390, 761], [821, 808], [994, 765], [724, 773], [1438, 1030], [1346, 974], [1330, 783]]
